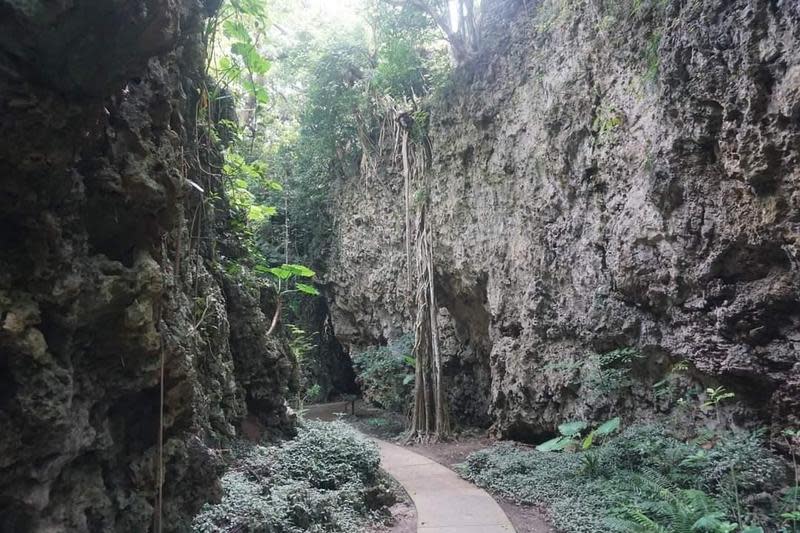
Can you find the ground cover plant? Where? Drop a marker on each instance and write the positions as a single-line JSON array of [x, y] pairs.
[[326, 480], [646, 480]]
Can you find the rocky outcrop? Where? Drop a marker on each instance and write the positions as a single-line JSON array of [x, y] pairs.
[[605, 176], [107, 273]]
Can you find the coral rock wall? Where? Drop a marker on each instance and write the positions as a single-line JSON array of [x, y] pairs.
[[106, 267], [606, 175]]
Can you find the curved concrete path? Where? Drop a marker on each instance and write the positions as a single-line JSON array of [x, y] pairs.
[[445, 502]]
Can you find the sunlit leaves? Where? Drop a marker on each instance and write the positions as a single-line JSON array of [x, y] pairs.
[[288, 273], [570, 429], [243, 24], [279, 272], [571, 435], [607, 427], [555, 445], [307, 289], [236, 31], [251, 57], [254, 8], [243, 177], [246, 174], [259, 213], [258, 91], [300, 270]]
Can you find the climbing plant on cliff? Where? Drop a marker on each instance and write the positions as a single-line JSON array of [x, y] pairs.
[[430, 417]]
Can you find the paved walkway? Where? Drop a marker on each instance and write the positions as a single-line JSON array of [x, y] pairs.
[[445, 502]]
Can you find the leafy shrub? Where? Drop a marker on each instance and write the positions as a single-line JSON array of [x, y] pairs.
[[386, 374], [328, 456], [319, 482], [641, 480], [244, 507]]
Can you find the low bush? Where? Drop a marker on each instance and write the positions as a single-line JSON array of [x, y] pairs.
[[641, 480], [386, 374], [320, 482], [328, 456]]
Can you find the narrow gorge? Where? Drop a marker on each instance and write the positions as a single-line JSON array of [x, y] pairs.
[[215, 213]]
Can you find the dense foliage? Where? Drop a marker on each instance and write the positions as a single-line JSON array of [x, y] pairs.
[[337, 85], [644, 480], [386, 374], [295, 101], [318, 482]]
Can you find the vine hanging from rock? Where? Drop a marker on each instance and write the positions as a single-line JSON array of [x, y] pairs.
[[430, 418]]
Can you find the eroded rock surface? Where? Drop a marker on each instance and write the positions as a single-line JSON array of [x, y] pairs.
[[603, 177], [107, 268]]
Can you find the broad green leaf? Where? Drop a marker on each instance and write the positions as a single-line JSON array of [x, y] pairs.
[[257, 213], [408, 379], [256, 90], [280, 273], [252, 58], [307, 289], [261, 95], [299, 270], [242, 49], [553, 445], [249, 7], [608, 427], [587, 442], [570, 429], [236, 31], [224, 63]]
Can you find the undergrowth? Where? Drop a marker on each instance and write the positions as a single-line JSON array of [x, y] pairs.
[[644, 480], [324, 481], [386, 374]]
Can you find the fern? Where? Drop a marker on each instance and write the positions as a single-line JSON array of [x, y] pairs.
[[685, 511]]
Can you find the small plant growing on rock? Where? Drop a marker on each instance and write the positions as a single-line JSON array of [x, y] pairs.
[[285, 278], [607, 119], [612, 372], [716, 396], [571, 435]]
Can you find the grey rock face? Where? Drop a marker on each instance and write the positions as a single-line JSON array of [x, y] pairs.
[[104, 270], [604, 178]]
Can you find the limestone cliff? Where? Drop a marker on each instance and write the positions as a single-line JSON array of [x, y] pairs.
[[605, 175], [108, 271]]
